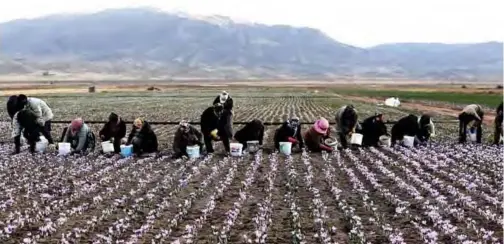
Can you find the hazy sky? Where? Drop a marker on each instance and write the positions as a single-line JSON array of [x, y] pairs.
[[356, 22]]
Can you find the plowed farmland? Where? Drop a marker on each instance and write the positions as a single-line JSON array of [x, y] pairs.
[[441, 193]]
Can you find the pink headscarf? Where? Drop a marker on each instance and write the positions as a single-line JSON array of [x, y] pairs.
[[76, 125]]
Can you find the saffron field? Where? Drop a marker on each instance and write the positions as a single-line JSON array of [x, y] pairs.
[[442, 193]]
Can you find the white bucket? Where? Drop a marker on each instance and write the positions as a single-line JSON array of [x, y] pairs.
[[356, 139], [193, 151], [252, 146], [472, 137], [236, 149], [107, 147], [286, 147], [331, 142], [409, 141], [41, 146], [385, 141], [63, 148]]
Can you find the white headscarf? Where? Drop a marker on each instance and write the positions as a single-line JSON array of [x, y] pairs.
[[223, 96]]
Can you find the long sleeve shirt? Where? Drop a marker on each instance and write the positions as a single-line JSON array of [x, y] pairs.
[[80, 136], [41, 110]]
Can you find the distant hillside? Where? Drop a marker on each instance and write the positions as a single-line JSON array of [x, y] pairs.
[[146, 42]]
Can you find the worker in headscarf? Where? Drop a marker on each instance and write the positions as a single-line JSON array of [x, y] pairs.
[[422, 128], [26, 122], [80, 137], [216, 126], [372, 128], [252, 131], [12, 106], [41, 110], [142, 137], [471, 115], [290, 131], [498, 133], [186, 135], [225, 99], [346, 123], [114, 130], [315, 137]]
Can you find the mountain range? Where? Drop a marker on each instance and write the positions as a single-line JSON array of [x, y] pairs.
[[142, 42]]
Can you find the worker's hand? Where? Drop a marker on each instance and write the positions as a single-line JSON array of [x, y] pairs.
[[124, 141], [102, 137], [51, 147], [14, 153]]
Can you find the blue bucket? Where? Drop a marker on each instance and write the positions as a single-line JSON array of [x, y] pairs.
[[126, 151], [193, 151]]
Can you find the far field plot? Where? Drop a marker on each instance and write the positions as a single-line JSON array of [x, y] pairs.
[[442, 193]]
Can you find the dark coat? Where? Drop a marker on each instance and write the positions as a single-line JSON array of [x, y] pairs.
[[498, 118], [371, 129], [209, 121], [315, 141], [225, 124], [410, 126], [27, 122], [108, 132], [12, 106], [285, 131], [146, 137], [252, 131], [227, 105], [183, 139]]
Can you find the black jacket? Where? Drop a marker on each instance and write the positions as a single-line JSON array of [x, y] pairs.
[[227, 105], [107, 132], [209, 121], [225, 124], [372, 129], [12, 106], [146, 135], [252, 131], [284, 132], [183, 139], [27, 122]]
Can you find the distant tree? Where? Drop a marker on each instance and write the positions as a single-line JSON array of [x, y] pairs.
[[464, 86], [499, 87]]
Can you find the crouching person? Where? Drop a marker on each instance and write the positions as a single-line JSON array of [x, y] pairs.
[[421, 128], [115, 130], [216, 125], [315, 137], [25, 121], [346, 123], [186, 135], [80, 137], [290, 131], [142, 137], [471, 113], [252, 131], [372, 129]]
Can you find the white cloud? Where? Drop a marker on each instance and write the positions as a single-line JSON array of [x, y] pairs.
[[357, 22]]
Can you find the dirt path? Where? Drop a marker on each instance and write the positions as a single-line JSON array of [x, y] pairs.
[[488, 119]]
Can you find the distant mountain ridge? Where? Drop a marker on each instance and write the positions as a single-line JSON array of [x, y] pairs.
[[147, 42]]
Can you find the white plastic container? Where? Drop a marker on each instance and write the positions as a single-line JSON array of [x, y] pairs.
[[41, 146], [385, 141], [473, 137], [286, 148], [236, 149], [252, 146], [193, 151], [63, 148], [331, 142], [107, 147], [409, 141], [356, 139]]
